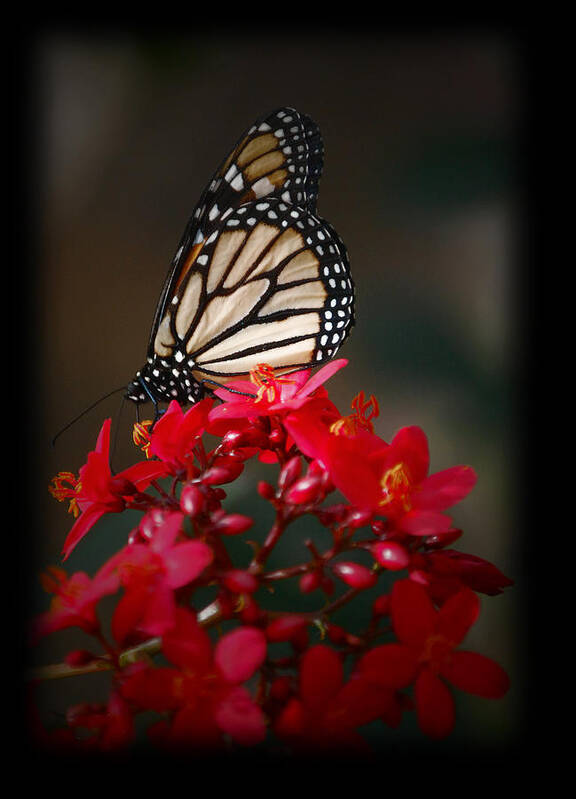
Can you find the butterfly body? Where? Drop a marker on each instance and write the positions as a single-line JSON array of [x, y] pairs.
[[258, 276]]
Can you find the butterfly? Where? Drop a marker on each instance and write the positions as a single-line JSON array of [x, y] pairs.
[[258, 276]]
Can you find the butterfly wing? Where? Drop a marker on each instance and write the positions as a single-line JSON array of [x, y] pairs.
[[280, 154]]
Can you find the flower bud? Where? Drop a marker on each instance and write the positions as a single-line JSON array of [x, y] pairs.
[[354, 575], [240, 582], [381, 605], [232, 439], [316, 469], [277, 437], [265, 490], [224, 471], [251, 437], [233, 524], [441, 540], [310, 582], [333, 514], [150, 523], [379, 527], [286, 627], [191, 499], [79, 657], [303, 491], [250, 613], [358, 518], [391, 555], [290, 472], [226, 605], [336, 634]]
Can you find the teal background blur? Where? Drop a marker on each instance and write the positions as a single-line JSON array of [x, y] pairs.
[[418, 180]]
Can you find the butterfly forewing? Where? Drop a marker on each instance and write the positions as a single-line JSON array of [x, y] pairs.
[[280, 154], [258, 276]]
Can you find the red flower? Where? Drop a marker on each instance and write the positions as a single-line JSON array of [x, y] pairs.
[[426, 654], [204, 691], [75, 599], [391, 480], [410, 498], [342, 445], [327, 711], [150, 573], [176, 433], [97, 491], [266, 395]]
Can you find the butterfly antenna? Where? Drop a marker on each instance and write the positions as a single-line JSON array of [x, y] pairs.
[[122, 401], [86, 410]]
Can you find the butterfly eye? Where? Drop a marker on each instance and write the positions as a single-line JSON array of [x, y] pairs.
[[258, 275]]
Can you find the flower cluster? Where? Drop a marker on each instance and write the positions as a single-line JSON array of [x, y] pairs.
[[229, 671]]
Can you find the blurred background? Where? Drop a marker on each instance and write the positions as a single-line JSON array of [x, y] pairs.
[[418, 181]]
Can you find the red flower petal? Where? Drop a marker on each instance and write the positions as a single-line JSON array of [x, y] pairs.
[[141, 474], [424, 522], [444, 489], [389, 665], [103, 441], [351, 473], [157, 610], [185, 562], [476, 674], [82, 525], [434, 705], [167, 526], [239, 653], [458, 614], [361, 701], [128, 611], [321, 676], [290, 722], [239, 716], [321, 376], [413, 614], [410, 446], [186, 644]]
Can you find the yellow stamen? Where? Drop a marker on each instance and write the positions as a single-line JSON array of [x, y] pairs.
[[396, 485]]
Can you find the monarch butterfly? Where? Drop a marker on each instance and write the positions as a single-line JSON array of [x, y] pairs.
[[257, 276]]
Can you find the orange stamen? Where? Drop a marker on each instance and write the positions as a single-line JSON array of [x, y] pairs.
[[363, 411], [268, 384], [60, 491], [141, 436], [396, 485]]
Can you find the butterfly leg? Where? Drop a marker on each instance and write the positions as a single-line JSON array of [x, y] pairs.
[[225, 387], [157, 411]]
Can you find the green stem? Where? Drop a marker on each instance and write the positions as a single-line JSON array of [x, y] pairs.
[[208, 616]]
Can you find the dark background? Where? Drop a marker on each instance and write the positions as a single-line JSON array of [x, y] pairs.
[[123, 132]]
